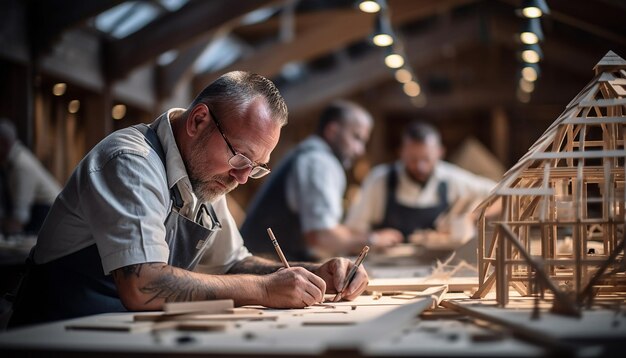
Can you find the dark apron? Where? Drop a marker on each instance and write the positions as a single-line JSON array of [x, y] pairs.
[[75, 285], [407, 219]]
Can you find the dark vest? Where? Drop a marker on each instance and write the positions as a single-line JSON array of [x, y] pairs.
[[407, 219], [269, 209]]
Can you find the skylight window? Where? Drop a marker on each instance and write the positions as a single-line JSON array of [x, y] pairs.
[[129, 17]]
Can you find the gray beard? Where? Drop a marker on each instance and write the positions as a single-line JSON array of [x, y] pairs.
[[204, 193]]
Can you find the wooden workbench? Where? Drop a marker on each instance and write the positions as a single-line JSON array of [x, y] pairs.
[[368, 327]]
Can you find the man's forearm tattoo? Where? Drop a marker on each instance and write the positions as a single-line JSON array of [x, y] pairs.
[[177, 287], [170, 285]]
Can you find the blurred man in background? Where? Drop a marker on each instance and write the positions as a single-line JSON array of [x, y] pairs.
[[409, 195], [27, 188], [302, 200]]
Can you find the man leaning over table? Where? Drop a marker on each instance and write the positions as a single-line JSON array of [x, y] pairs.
[[143, 219]]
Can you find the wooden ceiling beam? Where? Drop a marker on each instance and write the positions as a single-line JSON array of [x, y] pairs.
[[399, 11], [168, 76], [192, 21], [336, 29], [345, 80], [342, 27], [49, 18], [370, 70], [602, 20]]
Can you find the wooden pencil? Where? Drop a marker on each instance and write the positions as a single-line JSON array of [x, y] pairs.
[[277, 247]]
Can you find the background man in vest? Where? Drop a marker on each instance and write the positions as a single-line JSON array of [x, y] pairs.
[[303, 200]]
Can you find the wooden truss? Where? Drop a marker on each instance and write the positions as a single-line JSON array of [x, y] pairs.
[[561, 232]]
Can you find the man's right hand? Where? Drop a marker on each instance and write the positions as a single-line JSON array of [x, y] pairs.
[[293, 287]]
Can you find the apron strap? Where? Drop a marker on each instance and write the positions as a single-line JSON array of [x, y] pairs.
[[153, 141]]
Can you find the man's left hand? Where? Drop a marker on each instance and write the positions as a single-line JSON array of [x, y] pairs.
[[334, 272]]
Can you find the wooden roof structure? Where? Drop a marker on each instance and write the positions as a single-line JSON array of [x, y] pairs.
[[569, 186], [465, 54], [327, 36]]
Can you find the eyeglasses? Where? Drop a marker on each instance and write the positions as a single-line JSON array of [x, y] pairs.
[[238, 160]]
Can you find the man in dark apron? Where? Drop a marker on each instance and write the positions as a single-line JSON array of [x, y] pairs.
[[143, 219], [400, 198]]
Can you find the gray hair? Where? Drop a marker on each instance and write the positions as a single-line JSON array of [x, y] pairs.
[[235, 90]]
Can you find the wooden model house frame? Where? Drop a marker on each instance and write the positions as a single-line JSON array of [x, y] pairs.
[[569, 186]]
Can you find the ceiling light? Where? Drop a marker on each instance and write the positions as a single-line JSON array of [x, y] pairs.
[[531, 32], [382, 40], [534, 8], [369, 6], [528, 38], [73, 106], [59, 89], [403, 75], [383, 34], [394, 60], [412, 89], [530, 72], [531, 53], [118, 112]]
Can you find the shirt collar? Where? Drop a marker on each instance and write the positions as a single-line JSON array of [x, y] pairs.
[[174, 165], [175, 168]]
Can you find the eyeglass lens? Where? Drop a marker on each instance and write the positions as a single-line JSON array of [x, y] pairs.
[[240, 161]]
